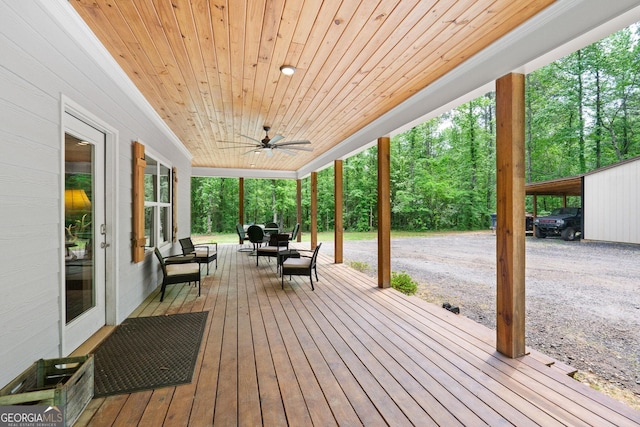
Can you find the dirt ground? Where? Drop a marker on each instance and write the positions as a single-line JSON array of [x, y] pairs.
[[582, 299]]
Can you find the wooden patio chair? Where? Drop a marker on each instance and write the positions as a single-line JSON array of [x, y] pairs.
[[303, 266], [178, 269], [204, 253]]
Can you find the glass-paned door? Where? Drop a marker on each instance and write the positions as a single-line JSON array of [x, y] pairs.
[[84, 229]]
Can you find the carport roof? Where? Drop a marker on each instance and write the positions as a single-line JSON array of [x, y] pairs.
[[571, 186]]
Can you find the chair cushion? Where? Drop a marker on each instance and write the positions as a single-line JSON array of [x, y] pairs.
[[271, 249], [178, 269], [296, 262], [202, 252], [179, 259]]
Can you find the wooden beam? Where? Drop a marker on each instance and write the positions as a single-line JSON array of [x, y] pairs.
[[339, 227], [384, 212], [314, 209], [240, 203], [510, 232], [299, 208]]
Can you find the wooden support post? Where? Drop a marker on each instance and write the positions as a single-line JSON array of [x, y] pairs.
[[338, 228], [510, 232], [299, 208], [384, 212], [314, 209], [241, 203]]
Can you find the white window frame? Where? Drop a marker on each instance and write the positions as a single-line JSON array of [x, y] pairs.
[[155, 238]]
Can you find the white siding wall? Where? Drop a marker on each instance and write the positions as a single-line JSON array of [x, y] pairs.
[[40, 63], [612, 204]]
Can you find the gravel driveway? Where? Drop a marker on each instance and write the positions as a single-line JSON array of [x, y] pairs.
[[583, 299]]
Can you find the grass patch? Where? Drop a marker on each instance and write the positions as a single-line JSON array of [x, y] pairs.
[[403, 283], [359, 265]]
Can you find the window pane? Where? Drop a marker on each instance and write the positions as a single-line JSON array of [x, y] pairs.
[[157, 192], [149, 221], [165, 184], [150, 180], [165, 226], [78, 230]]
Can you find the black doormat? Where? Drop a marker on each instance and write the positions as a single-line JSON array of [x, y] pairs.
[[145, 353]]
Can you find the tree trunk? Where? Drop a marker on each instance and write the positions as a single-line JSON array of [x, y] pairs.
[[598, 130], [529, 134], [581, 155]]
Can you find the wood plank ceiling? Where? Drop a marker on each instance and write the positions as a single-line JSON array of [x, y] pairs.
[[210, 68]]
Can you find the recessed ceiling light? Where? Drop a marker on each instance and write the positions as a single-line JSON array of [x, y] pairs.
[[288, 70], [253, 165]]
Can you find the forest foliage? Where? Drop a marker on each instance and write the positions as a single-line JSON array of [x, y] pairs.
[[582, 113]]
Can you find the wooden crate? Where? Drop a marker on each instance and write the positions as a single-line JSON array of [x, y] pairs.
[[66, 383]]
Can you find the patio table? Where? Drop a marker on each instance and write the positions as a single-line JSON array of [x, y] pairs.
[[271, 230]]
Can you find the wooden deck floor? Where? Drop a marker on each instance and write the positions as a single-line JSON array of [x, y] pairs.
[[349, 354]]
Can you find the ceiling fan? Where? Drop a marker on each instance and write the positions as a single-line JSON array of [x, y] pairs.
[[269, 145]]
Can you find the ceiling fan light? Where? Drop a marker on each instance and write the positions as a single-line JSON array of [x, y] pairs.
[[288, 70]]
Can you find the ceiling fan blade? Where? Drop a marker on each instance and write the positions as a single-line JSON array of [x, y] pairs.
[[298, 148], [237, 143], [255, 150], [302, 142], [253, 139], [269, 152], [275, 139], [285, 151], [236, 146]]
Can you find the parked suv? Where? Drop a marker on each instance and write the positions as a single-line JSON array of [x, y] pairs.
[[562, 222]]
